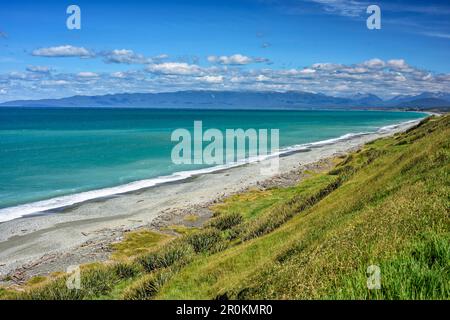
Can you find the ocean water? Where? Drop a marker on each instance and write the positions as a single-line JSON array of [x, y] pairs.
[[52, 157]]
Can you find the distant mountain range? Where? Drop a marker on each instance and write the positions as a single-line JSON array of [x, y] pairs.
[[242, 100]]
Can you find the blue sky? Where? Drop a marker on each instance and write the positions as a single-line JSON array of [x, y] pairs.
[[307, 45]]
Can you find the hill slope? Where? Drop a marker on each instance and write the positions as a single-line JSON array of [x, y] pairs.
[[391, 210]]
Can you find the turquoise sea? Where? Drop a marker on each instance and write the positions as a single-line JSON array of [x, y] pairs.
[[52, 157]]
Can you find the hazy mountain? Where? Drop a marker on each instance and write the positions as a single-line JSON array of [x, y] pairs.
[[426, 103], [367, 99], [424, 100], [236, 100]]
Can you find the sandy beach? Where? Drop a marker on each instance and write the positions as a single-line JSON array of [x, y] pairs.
[[82, 233]]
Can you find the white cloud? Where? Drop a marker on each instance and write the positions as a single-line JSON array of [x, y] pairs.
[[161, 56], [236, 59], [55, 82], [237, 79], [38, 69], [326, 66], [175, 68], [17, 75], [119, 75], [212, 79], [63, 51], [355, 70], [124, 56], [437, 35], [374, 63], [345, 8], [300, 72], [376, 76], [87, 74], [399, 63], [307, 71], [262, 77]]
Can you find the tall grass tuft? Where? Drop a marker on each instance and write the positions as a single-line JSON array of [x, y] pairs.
[[175, 252], [148, 285], [94, 282], [204, 241], [126, 270], [226, 221]]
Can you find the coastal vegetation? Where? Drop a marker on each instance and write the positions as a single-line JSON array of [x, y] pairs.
[[385, 205]]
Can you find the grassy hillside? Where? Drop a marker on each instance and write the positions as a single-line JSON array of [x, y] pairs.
[[387, 205]]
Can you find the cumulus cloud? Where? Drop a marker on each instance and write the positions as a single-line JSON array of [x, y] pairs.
[[382, 77], [236, 59], [326, 66], [54, 82], [119, 74], [38, 69], [87, 74], [119, 56], [161, 57], [174, 68], [399, 64], [374, 63], [262, 77], [17, 75], [63, 51], [212, 79], [124, 56]]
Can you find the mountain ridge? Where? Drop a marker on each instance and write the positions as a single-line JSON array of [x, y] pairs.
[[240, 99]]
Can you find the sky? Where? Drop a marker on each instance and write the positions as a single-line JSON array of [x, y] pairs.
[[321, 46]]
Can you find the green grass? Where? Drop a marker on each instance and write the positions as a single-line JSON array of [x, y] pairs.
[[391, 196], [137, 243], [6, 294], [180, 229], [254, 203], [191, 218], [419, 272], [36, 280], [386, 205]]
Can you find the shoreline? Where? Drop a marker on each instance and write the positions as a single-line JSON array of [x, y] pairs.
[[58, 204], [81, 233]]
